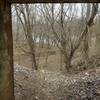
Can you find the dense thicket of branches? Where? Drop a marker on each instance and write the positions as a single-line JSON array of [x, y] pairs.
[[65, 26]]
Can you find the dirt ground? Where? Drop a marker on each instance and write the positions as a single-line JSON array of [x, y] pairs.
[[49, 85]]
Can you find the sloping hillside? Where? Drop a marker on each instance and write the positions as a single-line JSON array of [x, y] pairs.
[[47, 85]]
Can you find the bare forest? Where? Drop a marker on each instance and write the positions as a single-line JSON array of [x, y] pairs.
[[56, 51]]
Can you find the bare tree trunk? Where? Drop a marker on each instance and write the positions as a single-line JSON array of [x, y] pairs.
[[6, 53], [67, 60], [85, 50], [48, 48], [17, 33], [61, 61], [32, 49], [85, 45], [28, 27]]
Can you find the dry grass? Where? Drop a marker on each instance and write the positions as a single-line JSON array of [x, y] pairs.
[[24, 59]]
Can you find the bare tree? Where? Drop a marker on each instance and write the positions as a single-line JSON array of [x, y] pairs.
[[66, 39], [85, 47], [27, 19]]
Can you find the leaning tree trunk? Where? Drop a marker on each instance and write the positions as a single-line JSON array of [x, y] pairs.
[[32, 49], [6, 53], [85, 51], [85, 46]]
